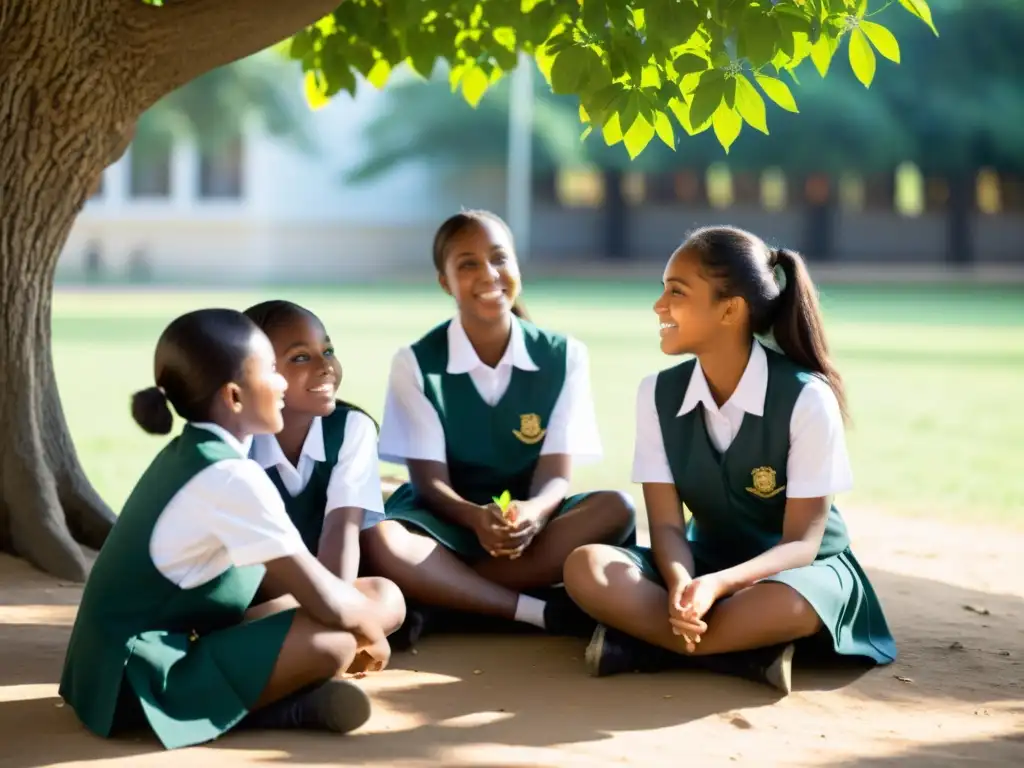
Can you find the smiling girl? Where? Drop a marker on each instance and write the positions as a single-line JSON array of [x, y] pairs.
[[165, 635], [486, 403], [752, 442], [323, 462]]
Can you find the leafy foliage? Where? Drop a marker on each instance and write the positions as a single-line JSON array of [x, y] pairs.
[[641, 68]]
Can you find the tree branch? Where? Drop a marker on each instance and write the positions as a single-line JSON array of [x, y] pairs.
[[186, 38]]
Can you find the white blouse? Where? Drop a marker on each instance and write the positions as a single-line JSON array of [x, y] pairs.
[[355, 479], [411, 428], [229, 514], [818, 463]]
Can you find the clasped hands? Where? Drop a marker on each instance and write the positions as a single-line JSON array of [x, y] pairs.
[[509, 533], [688, 603]]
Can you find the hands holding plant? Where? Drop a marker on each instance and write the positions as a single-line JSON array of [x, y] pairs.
[[507, 526]]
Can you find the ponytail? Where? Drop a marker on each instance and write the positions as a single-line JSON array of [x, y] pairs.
[[150, 411], [798, 327]]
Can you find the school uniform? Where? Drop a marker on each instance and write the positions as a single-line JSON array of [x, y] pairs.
[[338, 467], [779, 436], [489, 425], [159, 636]]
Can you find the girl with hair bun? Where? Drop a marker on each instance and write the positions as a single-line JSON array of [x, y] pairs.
[[752, 442], [166, 635]]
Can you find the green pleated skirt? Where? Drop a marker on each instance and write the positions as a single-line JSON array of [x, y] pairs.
[[838, 590], [191, 690]]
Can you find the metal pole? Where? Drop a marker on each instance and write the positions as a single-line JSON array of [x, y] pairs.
[[519, 178]]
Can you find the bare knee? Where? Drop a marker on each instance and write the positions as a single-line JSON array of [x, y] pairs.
[[330, 651], [617, 509], [583, 571], [804, 619], [389, 599]]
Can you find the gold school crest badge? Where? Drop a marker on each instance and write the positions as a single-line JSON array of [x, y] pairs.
[[529, 431], [763, 483]]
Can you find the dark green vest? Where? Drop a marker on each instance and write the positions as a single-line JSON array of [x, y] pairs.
[[307, 510], [135, 626], [737, 499], [491, 449]]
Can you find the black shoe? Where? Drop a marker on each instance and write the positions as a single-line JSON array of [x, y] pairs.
[[412, 629], [612, 652], [563, 617], [339, 706], [772, 666]]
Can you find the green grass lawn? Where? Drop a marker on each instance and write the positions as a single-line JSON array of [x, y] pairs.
[[936, 425]]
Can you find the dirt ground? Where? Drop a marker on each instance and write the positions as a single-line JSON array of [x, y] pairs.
[[954, 596]]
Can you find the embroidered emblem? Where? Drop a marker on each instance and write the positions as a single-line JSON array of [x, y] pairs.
[[529, 431], [763, 481]]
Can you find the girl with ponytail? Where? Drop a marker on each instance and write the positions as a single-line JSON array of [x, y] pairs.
[[167, 636], [751, 441]]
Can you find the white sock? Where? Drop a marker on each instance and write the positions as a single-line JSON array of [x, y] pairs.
[[530, 610]]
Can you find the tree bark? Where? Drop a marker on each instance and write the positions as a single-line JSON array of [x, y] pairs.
[[75, 75], [61, 122]]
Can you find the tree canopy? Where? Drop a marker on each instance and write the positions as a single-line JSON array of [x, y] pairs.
[[640, 68], [961, 121]]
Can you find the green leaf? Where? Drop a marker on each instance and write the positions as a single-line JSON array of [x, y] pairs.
[[571, 68], [883, 40], [315, 91], [302, 44], [750, 105], [862, 57], [663, 127], [758, 35], [422, 53], [920, 9], [380, 73], [611, 131], [709, 94], [474, 85], [777, 91], [629, 111], [822, 53], [682, 112], [503, 501], [638, 136], [689, 63], [727, 126], [668, 23]]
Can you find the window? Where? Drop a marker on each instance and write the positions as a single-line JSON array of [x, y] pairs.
[[149, 160], [221, 171]]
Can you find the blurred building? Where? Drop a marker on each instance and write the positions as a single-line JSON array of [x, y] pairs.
[[262, 210]]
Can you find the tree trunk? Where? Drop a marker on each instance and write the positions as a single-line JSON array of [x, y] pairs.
[[58, 132], [75, 75]]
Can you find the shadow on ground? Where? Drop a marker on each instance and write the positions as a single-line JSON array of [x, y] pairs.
[[533, 692]]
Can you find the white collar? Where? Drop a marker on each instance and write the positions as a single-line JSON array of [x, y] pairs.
[[227, 437], [749, 394], [266, 451], [462, 358]]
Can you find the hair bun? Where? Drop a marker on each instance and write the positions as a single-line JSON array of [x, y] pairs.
[[151, 412]]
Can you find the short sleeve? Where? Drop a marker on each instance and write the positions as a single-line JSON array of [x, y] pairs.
[[650, 463], [410, 428], [818, 463], [355, 479], [249, 519], [572, 428]]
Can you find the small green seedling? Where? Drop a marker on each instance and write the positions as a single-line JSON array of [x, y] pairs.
[[504, 503]]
